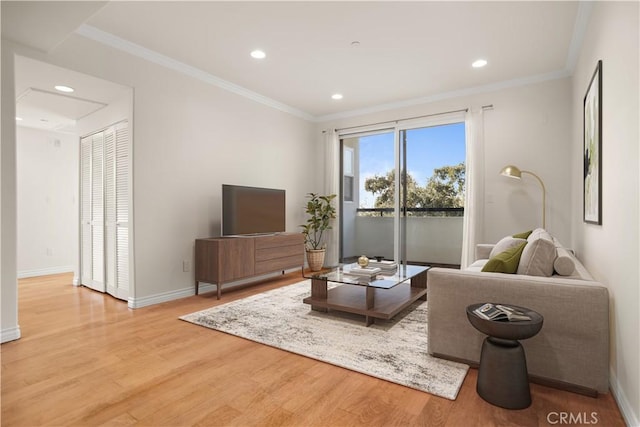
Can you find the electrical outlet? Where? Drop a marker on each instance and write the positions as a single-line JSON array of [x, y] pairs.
[[50, 251], [186, 265]]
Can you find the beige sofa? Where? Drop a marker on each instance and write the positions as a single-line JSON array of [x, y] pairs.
[[572, 349]]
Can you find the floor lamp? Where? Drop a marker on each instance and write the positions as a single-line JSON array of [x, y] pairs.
[[514, 172]]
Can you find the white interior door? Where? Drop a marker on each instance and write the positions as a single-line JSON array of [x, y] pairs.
[[92, 215], [86, 241], [105, 210], [118, 214]]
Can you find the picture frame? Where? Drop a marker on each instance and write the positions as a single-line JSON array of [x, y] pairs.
[[592, 149]]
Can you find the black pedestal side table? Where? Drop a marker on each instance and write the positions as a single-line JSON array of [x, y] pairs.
[[502, 376]]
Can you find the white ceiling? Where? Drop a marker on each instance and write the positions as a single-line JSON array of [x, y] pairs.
[[407, 51], [40, 106]]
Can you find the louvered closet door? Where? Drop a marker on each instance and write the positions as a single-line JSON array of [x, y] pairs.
[[117, 210], [110, 278], [86, 270], [92, 215], [97, 211], [105, 211], [122, 209]]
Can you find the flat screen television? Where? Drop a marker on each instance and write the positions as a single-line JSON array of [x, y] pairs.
[[252, 210]]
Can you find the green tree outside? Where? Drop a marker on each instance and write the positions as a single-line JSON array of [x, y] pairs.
[[445, 189]]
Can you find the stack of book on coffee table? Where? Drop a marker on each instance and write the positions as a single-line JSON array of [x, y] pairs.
[[385, 266], [364, 271]]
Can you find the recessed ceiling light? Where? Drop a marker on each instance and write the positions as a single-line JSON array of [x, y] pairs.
[[63, 88], [19, 119], [336, 96], [479, 63], [258, 54]]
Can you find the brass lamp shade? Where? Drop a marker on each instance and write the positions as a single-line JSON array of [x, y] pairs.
[[511, 171], [515, 172]]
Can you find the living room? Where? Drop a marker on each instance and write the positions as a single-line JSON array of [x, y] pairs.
[[192, 135]]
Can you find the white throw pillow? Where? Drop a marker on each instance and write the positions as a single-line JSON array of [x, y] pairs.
[[504, 244], [538, 256]]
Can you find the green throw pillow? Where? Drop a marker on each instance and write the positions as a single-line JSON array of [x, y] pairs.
[[523, 235], [507, 261]]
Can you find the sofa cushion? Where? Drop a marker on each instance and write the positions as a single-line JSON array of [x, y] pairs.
[[504, 244], [538, 255], [507, 261], [477, 265]]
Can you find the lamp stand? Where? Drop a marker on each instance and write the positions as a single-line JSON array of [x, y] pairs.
[[544, 198]]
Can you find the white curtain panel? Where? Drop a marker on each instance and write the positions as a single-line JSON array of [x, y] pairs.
[[331, 146], [474, 186]]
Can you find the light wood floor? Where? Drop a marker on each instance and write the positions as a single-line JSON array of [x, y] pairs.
[[86, 359]]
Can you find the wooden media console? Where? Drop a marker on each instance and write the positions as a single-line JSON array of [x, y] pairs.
[[222, 260]]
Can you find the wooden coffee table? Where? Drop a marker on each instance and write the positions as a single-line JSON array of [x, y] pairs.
[[380, 297]]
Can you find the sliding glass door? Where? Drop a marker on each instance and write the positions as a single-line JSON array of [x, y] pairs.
[[368, 196], [433, 165], [402, 194]]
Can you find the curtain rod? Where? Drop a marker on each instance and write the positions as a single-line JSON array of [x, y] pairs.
[[402, 120]]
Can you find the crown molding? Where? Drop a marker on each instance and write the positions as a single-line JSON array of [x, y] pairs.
[[579, 30], [524, 81], [134, 49]]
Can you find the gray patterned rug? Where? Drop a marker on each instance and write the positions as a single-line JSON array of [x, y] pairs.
[[393, 350]]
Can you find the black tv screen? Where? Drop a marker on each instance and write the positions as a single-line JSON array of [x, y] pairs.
[[252, 210]]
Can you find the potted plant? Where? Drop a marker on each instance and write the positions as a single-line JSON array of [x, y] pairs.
[[320, 212]]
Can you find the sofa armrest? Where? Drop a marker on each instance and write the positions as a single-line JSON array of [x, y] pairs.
[[483, 250], [573, 345]]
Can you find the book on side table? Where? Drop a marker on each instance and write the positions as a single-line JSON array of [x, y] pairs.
[[500, 312]]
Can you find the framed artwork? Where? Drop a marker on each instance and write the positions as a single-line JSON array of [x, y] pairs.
[[592, 149]]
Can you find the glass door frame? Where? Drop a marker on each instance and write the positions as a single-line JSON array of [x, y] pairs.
[[399, 129]]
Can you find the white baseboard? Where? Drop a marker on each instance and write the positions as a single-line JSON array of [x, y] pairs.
[[160, 298], [45, 271], [630, 417], [10, 334], [206, 287], [191, 290]]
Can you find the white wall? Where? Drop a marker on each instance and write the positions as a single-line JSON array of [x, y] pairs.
[[189, 138], [118, 110], [530, 127], [47, 185], [9, 330], [611, 251]]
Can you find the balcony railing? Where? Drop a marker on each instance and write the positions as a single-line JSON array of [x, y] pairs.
[[412, 211], [434, 235]]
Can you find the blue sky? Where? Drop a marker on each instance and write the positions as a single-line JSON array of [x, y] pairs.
[[427, 149]]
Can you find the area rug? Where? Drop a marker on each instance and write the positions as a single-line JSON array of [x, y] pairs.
[[394, 350]]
